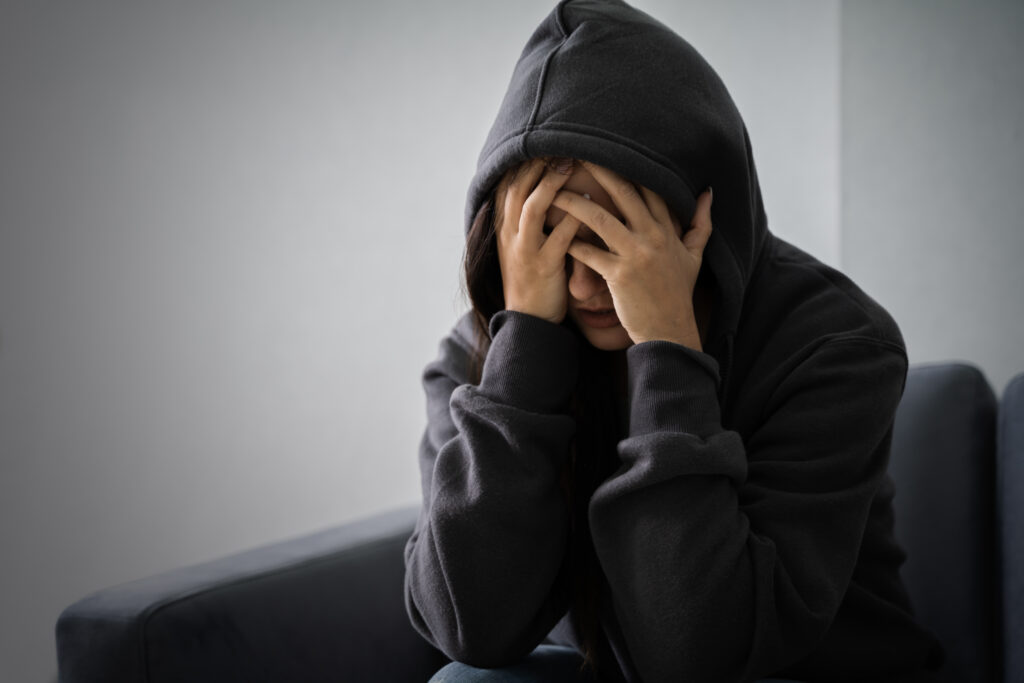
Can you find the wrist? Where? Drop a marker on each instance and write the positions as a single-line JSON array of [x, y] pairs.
[[536, 313], [685, 334], [530, 364]]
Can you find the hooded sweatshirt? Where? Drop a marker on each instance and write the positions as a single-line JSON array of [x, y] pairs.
[[745, 527]]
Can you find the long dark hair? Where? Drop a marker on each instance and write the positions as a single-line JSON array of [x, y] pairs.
[[592, 453]]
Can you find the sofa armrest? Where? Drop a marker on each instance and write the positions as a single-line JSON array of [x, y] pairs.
[[328, 606]]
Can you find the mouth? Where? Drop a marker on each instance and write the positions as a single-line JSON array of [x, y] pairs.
[[598, 317]]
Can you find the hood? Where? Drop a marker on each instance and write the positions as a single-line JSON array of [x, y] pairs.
[[602, 81]]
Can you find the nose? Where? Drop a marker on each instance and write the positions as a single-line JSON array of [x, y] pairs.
[[584, 281]]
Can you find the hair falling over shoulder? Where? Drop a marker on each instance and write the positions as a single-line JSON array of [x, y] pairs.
[[482, 272]]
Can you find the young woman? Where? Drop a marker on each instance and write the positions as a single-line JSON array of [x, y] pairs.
[[656, 447]]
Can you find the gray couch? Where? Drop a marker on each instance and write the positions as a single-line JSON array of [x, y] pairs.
[[329, 606]]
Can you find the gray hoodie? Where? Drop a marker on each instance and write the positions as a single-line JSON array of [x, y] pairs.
[[742, 526]]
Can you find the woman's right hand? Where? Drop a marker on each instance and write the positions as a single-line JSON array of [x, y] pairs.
[[532, 264]]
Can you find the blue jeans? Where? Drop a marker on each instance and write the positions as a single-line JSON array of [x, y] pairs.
[[546, 664]]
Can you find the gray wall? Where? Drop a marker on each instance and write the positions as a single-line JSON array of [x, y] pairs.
[[933, 171], [230, 237]]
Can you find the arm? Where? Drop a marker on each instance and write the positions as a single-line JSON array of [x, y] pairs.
[[483, 562], [752, 545]]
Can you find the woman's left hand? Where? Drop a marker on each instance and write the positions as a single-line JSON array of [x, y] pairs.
[[651, 272]]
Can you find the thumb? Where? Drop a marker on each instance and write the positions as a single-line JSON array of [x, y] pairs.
[[696, 238]]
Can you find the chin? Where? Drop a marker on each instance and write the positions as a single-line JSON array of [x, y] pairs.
[[607, 339]]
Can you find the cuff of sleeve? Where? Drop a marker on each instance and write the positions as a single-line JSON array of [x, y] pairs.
[[672, 389], [532, 363]]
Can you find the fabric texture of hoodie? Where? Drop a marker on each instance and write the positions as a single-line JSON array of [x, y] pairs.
[[746, 528]]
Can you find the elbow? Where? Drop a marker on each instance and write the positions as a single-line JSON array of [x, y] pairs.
[[479, 646], [480, 643]]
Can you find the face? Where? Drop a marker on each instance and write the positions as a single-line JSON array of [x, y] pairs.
[[590, 301]]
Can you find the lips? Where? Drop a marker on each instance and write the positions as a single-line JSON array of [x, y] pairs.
[[598, 317]]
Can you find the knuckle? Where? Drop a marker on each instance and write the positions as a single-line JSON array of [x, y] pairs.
[[659, 240], [628, 189], [505, 237], [532, 211], [516, 195], [645, 257]]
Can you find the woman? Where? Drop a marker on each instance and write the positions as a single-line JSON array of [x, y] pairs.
[[662, 449]]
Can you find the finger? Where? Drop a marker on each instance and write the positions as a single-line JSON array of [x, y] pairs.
[[595, 258], [535, 209], [696, 238], [557, 244], [596, 217], [522, 180], [657, 206], [525, 177], [624, 195]]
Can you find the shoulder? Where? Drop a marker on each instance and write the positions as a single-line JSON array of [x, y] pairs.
[[797, 300], [806, 325], [456, 352], [464, 333]]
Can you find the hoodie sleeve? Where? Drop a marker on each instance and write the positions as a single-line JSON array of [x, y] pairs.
[[753, 543], [483, 561]]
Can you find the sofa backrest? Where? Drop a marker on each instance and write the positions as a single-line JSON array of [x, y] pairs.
[[943, 465], [1010, 468]]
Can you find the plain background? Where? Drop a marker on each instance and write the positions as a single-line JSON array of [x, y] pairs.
[[230, 238]]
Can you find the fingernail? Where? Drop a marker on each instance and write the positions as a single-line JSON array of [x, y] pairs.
[[562, 165], [711, 193]]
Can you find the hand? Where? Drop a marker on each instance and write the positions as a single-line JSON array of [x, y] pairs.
[[651, 272], [532, 264]]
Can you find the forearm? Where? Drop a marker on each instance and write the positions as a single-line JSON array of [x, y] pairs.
[[482, 567], [484, 562], [740, 552]]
